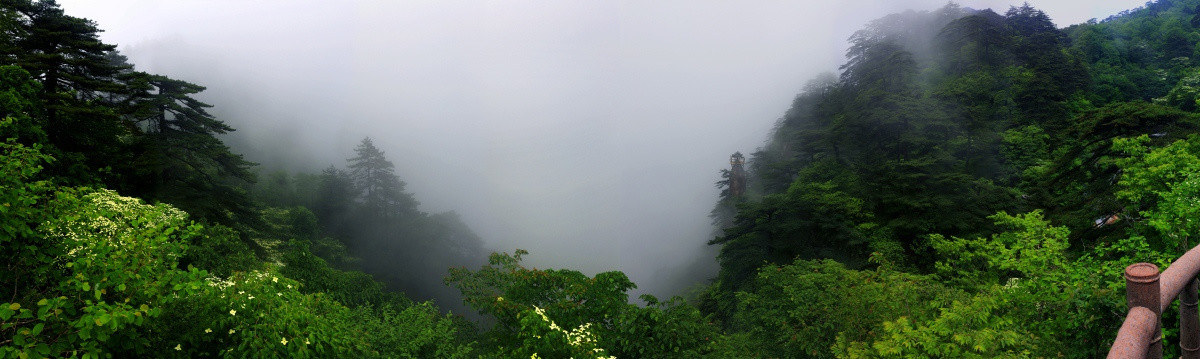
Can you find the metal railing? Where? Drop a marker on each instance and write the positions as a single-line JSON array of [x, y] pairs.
[[1148, 293]]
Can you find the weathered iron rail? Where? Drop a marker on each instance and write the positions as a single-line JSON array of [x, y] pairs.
[[1148, 293]]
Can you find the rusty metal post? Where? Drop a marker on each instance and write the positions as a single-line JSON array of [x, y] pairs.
[[1141, 290], [1133, 340], [1189, 322]]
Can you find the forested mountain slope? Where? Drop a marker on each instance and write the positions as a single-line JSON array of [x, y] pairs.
[[1010, 166]]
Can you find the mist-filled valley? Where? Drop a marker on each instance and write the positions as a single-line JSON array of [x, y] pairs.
[[590, 179]]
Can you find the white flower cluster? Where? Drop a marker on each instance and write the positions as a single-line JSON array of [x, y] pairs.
[[109, 219], [110, 200], [1012, 283], [576, 337], [219, 282]]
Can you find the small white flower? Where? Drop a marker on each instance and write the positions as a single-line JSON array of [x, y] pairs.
[[284, 341], [232, 312], [178, 347], [231, 331], [207, 330], [305, 340], [252, 297], [289, 286], [275, 279]]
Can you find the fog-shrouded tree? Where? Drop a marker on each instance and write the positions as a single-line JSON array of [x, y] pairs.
[[179, 160], [733, 191], [334, 199], [381, 191]]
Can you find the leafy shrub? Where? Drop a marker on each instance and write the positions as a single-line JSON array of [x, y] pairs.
[[525, 302], [801, 309], [81, 265]]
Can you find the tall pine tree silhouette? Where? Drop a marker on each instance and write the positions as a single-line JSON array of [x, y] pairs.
[[381, 191]]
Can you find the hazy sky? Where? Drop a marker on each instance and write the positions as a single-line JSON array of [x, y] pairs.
[[587, 132]]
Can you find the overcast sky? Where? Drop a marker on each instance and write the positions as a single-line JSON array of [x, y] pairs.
[[587, 132]]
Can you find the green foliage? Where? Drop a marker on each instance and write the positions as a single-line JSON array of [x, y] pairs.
[[306, 256], [83, 265], [18, 99], [417, 331], [965, 329], [1185, 93], [1031, 299], [1027, 150], [348, 287], [1030, 247], [262, 314], [252, 312], [270, 315], [799, 310], [1079, 185], [93, 274], [1161, 185], [220, 251], [532, 307], [504, 289], [811, 220], [541, 337], [22, 197]]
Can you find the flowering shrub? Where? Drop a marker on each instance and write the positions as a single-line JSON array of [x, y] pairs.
[[596, 309], [81, 265], [545, 339], [252, 313], [263, 314]]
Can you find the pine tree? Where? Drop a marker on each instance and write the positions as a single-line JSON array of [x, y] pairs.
[[179, 160], [381, 191], [66, 55]]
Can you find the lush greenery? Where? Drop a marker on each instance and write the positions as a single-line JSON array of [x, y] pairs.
[[970, 185]]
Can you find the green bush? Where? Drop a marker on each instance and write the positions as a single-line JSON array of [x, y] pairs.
[[800, 310], [562, 313]]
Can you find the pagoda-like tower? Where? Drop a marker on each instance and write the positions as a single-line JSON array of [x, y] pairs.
[[737, 175]]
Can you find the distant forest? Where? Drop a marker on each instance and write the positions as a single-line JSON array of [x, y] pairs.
[[970, 184]]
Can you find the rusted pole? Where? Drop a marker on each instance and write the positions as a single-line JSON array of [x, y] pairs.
[[1141, 290], [1189, 319], [1189, 322], [1133, 340]]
